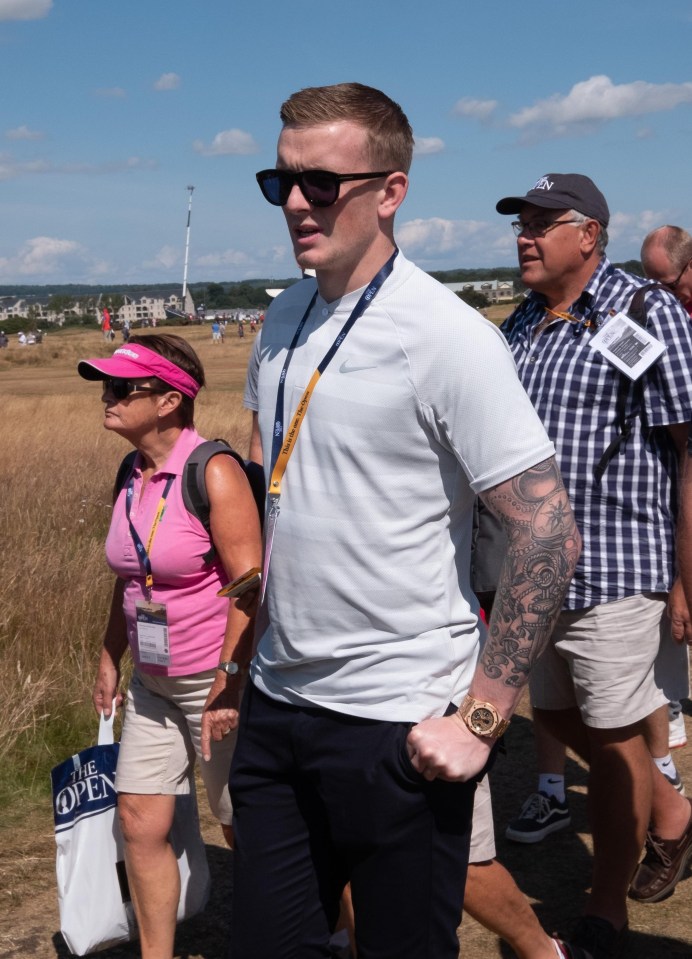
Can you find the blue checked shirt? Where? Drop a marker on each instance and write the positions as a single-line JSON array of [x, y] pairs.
[[628, 521]]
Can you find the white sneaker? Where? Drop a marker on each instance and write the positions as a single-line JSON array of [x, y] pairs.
[[676, 732]]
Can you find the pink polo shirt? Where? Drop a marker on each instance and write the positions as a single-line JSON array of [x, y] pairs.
[[196, 615]]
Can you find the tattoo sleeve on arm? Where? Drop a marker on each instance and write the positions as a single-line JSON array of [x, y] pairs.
[[543, 548]]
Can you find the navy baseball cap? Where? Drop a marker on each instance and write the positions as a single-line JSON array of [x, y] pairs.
[[562, 191]]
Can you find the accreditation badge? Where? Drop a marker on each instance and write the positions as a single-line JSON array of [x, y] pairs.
[[270, 521], [627, 346], [152, 633]]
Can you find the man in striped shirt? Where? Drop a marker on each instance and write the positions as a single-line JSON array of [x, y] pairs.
[[619, 437]]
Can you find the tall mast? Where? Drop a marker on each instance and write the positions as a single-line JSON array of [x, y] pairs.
[[187, 244]]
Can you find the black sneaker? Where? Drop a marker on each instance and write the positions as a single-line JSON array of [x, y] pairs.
[[598, 937], [540, 815]]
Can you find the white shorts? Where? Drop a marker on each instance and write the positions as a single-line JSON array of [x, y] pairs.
[[602, 660], [161, 739]]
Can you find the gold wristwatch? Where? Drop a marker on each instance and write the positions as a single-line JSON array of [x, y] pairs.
[[482, 718]]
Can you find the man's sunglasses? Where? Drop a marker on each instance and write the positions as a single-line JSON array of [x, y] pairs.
[[319, 187], [121, 388]]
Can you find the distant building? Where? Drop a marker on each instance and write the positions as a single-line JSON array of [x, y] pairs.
[[496, 291], [138, 309]]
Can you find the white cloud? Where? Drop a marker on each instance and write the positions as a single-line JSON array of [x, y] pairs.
[[223, 258], [472, 242], [42, 256], [597, 100], [11, 169], [424, 146], [627, 229], [24, 9], [236, 142], [114, 93], [476, 109], [279, 252], [167, 81], [23, 133], [167, 257], [276, 260]]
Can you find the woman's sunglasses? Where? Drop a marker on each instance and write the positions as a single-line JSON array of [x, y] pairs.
[[319, 187], [121, 388]]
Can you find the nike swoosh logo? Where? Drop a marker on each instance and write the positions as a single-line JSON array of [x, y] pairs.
[[345, 368]]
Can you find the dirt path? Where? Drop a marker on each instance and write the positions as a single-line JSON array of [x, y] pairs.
[[555, 874]]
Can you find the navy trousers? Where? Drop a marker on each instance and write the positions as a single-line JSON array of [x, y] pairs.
[[321, 799]]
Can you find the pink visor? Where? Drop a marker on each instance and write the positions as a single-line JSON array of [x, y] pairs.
[[134, 362]]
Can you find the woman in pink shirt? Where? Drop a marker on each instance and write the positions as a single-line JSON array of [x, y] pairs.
[[190, 647]]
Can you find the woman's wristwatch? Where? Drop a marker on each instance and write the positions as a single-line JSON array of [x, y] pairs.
[[482, 718], [229, 668]]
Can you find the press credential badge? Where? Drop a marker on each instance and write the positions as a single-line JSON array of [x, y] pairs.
[[627, 346], [152, 633]]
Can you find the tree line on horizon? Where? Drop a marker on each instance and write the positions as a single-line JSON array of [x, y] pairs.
[[212, 292], [233, 295]]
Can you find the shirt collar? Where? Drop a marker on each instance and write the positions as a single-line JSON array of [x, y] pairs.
[[186, 443]]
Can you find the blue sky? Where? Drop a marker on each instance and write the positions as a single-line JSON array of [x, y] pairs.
[[109, 110]]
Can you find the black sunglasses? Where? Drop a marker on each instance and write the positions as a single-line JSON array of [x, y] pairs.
[[673, 285], [121, 388], [319, 187]]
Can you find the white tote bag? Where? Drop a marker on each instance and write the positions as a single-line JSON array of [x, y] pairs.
[[93, 894]]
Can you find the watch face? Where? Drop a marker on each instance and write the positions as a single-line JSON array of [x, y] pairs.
[[229, 668], [482, 719]]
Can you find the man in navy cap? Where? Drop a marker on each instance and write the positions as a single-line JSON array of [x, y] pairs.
[[605, 360]]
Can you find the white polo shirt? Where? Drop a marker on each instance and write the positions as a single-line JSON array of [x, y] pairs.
[[370, 611]]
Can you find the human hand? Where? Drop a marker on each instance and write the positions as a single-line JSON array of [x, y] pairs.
[[220, 714], [106, 686], [247, 601], [444, 748], [679, 614]]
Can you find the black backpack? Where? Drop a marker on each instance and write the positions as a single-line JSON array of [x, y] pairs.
[[195, 494]]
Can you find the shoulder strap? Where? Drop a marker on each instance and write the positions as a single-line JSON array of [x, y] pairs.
[[194, 487], [124, 473], [636, 312], [195, 496]]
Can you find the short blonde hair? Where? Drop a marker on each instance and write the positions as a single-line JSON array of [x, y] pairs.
[[389, 134]]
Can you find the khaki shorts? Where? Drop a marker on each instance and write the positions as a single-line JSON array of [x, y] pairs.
[[602, 660], [161, 739], [483, 829]]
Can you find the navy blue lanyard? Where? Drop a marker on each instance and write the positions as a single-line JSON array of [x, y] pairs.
[[364, 301], [142, 550]]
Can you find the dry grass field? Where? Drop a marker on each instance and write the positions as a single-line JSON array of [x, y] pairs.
[[56, 472]]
